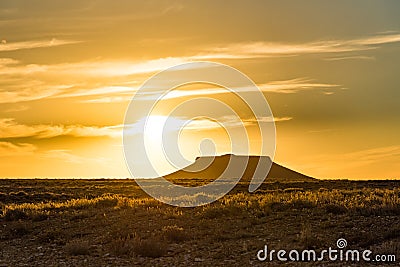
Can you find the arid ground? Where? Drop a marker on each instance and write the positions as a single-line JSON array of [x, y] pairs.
[[114, 223]]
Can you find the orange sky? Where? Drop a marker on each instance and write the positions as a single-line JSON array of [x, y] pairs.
[[68, 71]]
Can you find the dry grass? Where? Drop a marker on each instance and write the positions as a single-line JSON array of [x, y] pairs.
[[364, 202], [77, 247], [126, 243], [152, 247], [307, 237], [174, 233], [122, 246], [132, 245]]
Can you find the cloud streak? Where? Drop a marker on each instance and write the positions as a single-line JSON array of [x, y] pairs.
[[296, 85], [95, 68], [34, 81], [265, 49], [232, 122], [124, 94], [6, 46], [9, 128], [286, 87], [106, 80], [171, 124], [8, 149], [349, 58], [21, 83]]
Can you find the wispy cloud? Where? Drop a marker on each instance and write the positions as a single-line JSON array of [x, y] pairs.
[[285, 86], [31, 82], [171, 124], [8, 61], [350, 58], [8, 149], [30, 91], [112, 91], [123, 94], [108, 81], [95, 68], [105, 79], [232, 122], [295, 85], [9, 128], [6, 45], [263, 49]]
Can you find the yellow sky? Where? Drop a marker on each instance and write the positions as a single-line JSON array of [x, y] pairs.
[[68, 71]]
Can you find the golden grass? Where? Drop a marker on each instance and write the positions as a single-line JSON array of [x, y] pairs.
[[365, 201]]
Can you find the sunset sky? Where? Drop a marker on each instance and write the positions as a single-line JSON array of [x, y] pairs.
[[329, 70]]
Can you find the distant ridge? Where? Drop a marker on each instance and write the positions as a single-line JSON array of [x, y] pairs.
[[210, 168]]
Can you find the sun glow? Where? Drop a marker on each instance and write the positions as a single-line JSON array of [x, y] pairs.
[[65, 87]]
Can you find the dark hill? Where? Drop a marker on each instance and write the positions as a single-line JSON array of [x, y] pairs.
[[210, 168]]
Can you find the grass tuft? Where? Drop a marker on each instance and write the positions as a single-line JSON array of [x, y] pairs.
[[174, 233], [77, 247]]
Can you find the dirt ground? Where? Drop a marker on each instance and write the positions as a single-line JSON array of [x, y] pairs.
[[113, 223]]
